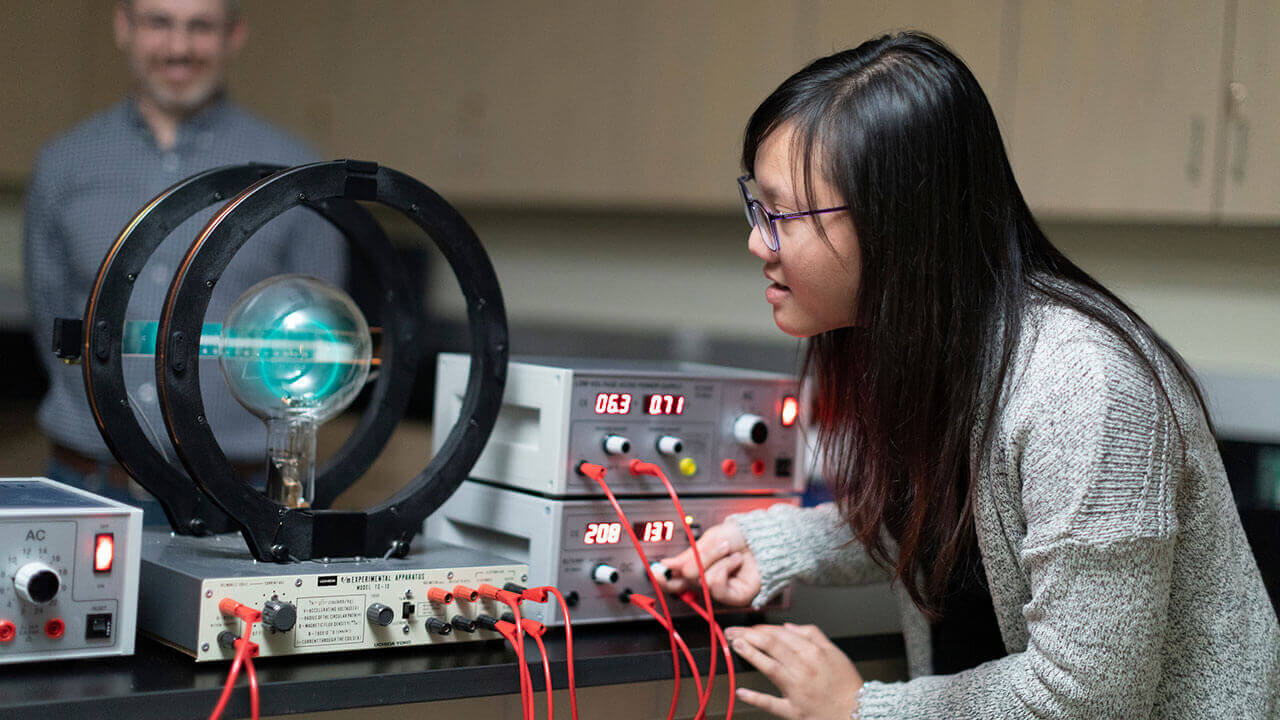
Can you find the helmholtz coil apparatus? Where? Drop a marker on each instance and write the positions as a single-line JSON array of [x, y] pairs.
[[295, 352]]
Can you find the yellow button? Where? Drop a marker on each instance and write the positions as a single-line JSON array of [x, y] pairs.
[[688, 466]]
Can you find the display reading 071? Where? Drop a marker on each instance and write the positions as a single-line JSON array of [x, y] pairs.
[[609, 533]]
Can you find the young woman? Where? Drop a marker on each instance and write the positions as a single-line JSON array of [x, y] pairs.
[[999, 431]]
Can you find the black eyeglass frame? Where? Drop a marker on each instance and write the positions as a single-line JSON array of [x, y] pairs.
[[750, 205]]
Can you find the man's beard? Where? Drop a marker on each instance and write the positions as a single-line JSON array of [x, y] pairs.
[[179, 102]]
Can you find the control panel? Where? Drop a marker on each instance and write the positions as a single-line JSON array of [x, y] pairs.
[[713, 429], [68, 572], [426, 598], [580, 545]]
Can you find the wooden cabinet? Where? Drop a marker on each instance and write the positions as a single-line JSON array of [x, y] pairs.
[[47, 82], [973, 29], [1250, 172], [1116, 106], [1118, 111], [563, 103], [578, 104]]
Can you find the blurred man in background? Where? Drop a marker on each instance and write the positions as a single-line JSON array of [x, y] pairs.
[[87, 183]]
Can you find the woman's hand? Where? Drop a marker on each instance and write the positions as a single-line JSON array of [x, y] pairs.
[[732, 575], [817, 680]]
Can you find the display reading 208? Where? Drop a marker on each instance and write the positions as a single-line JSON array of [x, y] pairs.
[[609, 533]]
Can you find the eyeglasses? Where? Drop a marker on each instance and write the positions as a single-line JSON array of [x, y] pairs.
[[161, 24], [758, 216]]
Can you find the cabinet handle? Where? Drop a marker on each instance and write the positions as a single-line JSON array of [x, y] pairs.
[[1240, 151], [1195, 153], [1237, 93]]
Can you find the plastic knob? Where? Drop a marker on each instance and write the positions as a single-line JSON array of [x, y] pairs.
[[465, 624], [605, 574], [659, 570], [279, 615], [670, 445], [380, 614], [438, 626], [37, 583], [616, 445], [750, 430]]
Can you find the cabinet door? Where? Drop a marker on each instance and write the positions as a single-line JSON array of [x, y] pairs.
[[1115, 106], [699, 69], [1251, 171], [563, 103], [286, 70], [45, 84], [973, 29]]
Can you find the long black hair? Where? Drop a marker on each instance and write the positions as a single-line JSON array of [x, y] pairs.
[[951, 257]]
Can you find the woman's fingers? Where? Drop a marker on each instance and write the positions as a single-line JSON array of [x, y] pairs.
[[747, 646], [771, 704], [743, 584], [718, 575], [813, 684], [716, 544], [713, 547], [821, 649]]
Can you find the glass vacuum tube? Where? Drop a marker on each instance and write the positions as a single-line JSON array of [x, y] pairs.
[[295, 351]]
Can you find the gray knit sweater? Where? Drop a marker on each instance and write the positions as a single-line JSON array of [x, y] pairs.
[[1121, 578]]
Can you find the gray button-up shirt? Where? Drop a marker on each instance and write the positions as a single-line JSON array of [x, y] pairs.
[[86, 184]]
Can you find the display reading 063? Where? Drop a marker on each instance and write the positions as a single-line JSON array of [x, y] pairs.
[[620, 404], [609, 533]]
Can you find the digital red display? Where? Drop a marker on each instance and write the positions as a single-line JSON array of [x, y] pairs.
[[602, 533], [610, 533], [613, 403], [664, 405], [656, 530]]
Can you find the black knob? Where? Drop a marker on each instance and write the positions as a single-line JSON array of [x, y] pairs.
[[279, 615], [464, 624], [36, 583], [750, 430], [380, 614], [604, 574], [488, 622], [436, 625]]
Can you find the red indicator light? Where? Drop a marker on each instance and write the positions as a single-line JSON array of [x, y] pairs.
[[790, 410], [104, 552]]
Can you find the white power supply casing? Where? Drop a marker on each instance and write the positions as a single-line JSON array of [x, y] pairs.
[[714, 430], [566, 542], [68, 572]]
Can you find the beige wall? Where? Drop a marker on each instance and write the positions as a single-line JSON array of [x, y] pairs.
[[1212, 291]]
